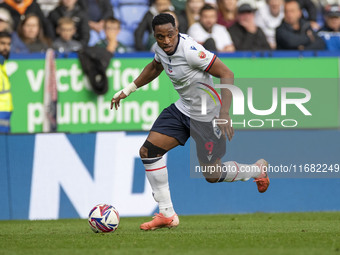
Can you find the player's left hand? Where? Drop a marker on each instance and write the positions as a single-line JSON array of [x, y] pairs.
[[226, 129]]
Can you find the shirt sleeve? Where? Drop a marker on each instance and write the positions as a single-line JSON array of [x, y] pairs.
[[157, 59], [199, 58]]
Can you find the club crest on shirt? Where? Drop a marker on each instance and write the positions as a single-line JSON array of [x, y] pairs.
[[169, 68], [201, 54]]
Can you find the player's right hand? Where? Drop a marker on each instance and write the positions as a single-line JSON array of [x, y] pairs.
[[227, 129], [116, 99]]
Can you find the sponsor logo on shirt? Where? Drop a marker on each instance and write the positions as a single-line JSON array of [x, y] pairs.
[[193, 48]]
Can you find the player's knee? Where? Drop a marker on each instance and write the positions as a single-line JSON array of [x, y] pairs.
[[149, 150], [143, 152], [211, 179]]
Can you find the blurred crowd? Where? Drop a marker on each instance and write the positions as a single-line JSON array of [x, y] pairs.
[[125, 25]]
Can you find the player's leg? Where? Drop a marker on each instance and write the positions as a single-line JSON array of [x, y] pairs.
[[151, 153], [232, 171], [211, 147], [166, 133]]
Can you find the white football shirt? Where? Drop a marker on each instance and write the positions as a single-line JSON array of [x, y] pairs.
[[188, 69]]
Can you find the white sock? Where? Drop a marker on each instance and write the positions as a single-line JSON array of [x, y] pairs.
[[233, 171], [157, 174]]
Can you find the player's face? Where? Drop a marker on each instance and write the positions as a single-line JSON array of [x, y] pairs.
[[292, 13], [167, 37], [5, 46]]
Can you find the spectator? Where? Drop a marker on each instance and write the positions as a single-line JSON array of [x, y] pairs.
[[175, 17], [179, 5], [268, 17], [70, 8], [6, 23], [330, 33], [6, 106], [19, 8], [181, 24], [311, 10], [295, 33], [111, 43], [244, 33], [324, 3], [64, 43], [212, 36], [47, 6], [190, 15], [146, 24], [97, 11], [227, 11], [6, 20], [31, 33], [211, 2]]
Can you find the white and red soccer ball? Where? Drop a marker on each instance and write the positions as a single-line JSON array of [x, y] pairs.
[[103, 218]]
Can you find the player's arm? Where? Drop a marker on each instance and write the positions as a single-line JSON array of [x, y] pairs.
[[220, 70], [149, 73]]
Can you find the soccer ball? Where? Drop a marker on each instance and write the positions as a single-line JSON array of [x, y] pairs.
[[103, 218]]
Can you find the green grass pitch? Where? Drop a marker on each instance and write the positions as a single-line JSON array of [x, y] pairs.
[[259, 233]]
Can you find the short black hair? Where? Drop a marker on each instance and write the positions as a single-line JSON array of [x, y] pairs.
[[5, 34], [163, 18], [292, 1], [207, 7]]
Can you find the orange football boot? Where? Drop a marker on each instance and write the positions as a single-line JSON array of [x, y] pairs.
[[160, 221], [263, 180]]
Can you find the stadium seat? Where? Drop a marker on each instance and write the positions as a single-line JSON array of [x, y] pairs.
[[126, 37], [117, 4], [131, 15], [95, 37], [114, 3], [133, 2]]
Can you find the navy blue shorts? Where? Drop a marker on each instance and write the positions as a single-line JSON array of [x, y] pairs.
[[210, 143]]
